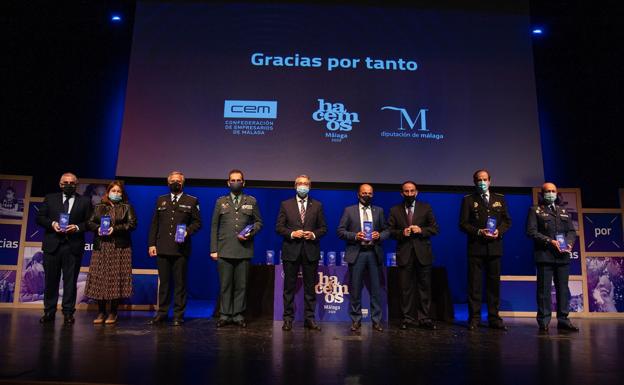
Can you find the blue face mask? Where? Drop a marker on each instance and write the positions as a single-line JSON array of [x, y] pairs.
[[482, 185], [550, 197], [115, 198], [303, 191]]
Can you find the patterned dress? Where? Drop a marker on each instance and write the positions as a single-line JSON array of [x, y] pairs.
[[110, 273]]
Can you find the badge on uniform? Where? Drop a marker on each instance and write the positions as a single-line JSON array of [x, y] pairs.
[[247, 207], [497, 204], [179, 235], [476, 204], [105, 224]]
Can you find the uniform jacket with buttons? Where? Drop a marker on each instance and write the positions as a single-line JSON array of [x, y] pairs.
[[473, 216], [167, 216], [543, 225], [228, 221]]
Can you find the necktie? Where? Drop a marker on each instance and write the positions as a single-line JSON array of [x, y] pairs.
[[365, 214], [552, 208], [302, 210], [410, 215], [66, 204], [485, 198], [175, 200], [236, 201]]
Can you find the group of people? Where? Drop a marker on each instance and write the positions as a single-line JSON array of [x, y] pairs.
[[236, 220]]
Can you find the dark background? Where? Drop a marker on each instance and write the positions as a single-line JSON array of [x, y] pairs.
[[64, 75]]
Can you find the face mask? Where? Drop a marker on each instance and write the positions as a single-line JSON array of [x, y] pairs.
[[303, 191], [482, 185], [366, 200], [175, 187], [236, 187], [409, 200], [69, 189], [114, 197], [550, 197]]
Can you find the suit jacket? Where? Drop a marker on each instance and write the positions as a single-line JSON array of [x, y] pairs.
[[543, 225], [473, 216], [167, 217], [289, 220], [420, 243], [350, 224], [50, 212], [228, 221], [123, 222]]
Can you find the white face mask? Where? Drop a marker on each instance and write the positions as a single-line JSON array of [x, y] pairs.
[[303, 191]]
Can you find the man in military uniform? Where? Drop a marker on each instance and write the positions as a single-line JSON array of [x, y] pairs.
[[173, 209], [235, 221], [545, 223], [485, 248]]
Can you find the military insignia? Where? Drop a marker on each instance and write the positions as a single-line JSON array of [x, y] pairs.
[[497, 204], [185, 206], [197, 207], [225, 205], [245, 207], [563, 211], [163, 203], [476, 204]]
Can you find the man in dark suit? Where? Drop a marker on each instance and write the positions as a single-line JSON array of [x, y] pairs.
[[63, 248], [412, 224], [363, 254], [232, 249], [301, 223], [173, 209], [485, 248], [546, 222]]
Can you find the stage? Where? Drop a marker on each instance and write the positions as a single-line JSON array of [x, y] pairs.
[[198, 353]]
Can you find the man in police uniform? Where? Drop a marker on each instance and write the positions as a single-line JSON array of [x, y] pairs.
[[233, 248], [485, 248], [545, 222], [173, 209]]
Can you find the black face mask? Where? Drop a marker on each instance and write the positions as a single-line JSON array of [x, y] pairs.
[[69, 189], [366, 200], [236, 187], [409, 200], [175, 187]]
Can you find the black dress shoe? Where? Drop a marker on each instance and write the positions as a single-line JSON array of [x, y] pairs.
[[241, 323], [178, 321], [222, 322], [69, 319], [567, 326], [47, 318], [287, 326], [498, 326], [160, 318], [311, 325], [355, 326], [427, 324], [377, 326]]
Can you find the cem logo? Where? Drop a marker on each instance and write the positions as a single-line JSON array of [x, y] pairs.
[[411, 121], [331, 287], [335, 116], [258, 109]]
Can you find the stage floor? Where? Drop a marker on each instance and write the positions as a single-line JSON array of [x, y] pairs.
[[197, 353]]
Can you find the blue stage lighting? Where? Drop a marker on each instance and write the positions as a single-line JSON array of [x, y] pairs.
[[116, 18], [537, 31]]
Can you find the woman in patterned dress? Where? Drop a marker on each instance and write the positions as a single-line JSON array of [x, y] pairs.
[[110, 273]]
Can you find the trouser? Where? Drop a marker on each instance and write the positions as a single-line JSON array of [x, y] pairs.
[[177, 266], [233, 277], [291, 270], [492, 266], [415, 282], [65, 262], [366, 260], [546, 273]]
